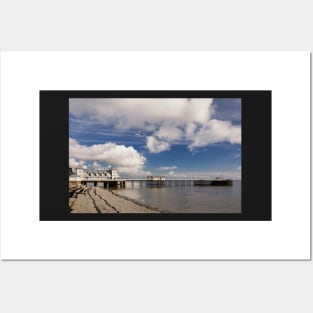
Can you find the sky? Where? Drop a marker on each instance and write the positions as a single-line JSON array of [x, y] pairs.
[[177, 138]]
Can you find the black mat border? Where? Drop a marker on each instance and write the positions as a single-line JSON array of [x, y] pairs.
[[256, 155]]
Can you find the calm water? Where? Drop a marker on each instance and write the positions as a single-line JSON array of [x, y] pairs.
[[187, 199]]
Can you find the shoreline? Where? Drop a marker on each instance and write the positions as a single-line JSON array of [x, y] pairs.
[[89, 199], [137, 202]]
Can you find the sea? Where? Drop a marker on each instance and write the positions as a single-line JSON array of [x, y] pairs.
[[186, 199]]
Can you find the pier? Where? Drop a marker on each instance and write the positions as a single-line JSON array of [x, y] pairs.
[[97, 181], [121, 183], [214, 182], [170, 183], [181, 182]]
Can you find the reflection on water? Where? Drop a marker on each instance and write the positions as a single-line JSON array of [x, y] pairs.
[[187, 199]]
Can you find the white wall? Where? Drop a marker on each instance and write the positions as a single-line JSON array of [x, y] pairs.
[[45, 286]]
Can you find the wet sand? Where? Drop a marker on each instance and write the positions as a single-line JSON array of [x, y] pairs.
[[87, 199]]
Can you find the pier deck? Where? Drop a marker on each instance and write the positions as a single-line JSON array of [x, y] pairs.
[[214, 182], [107, 183], [115, 183]]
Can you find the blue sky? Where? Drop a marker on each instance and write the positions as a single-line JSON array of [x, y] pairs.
[[178, 138]]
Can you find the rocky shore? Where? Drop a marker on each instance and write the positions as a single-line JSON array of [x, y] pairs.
[[87, 199]]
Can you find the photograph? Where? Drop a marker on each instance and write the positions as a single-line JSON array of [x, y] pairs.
[[154, 155]]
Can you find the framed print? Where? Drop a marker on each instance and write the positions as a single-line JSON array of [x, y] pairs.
[[156, 155]]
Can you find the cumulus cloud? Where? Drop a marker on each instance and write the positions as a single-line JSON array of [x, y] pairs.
[[215, 131], [73, 163], [141, 113], [190, 131], [167, 168], [163, 122], [96, 165], [169, 133], [171, 173], [156, 146], [126, 159]]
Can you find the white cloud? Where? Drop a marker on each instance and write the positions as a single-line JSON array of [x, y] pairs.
[[190, 131], [171, 173], [167, 168], [126, 159], [169, 133], [155, 146], [96, 165], [73, 163], [163, 121], [239, 168], [142, 113], [215, 131]]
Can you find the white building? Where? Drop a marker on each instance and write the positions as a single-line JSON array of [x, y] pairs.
[[155, 178], [80, 171], [110, 173], [114, 173]]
